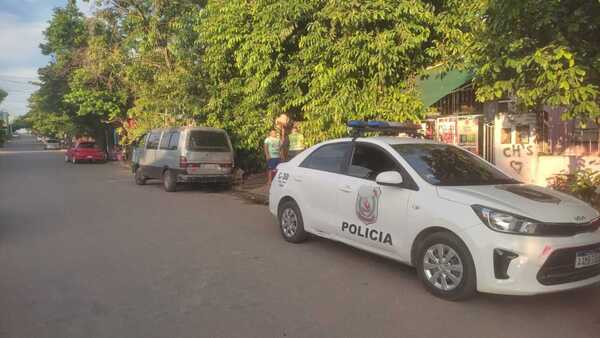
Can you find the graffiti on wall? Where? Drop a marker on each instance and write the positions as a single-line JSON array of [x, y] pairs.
[[515, 153]]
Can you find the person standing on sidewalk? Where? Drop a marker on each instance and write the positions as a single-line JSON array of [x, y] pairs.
[[272, 148], [283, 126], [296, 142]]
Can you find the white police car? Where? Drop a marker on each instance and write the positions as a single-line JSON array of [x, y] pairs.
[[464, 224]]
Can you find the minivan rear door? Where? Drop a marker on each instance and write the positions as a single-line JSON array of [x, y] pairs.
[[209, 152], [148, 157]]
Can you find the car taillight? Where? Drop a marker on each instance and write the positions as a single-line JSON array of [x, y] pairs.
[[183, 163]]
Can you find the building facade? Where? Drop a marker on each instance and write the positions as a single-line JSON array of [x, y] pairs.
[[531, 146]]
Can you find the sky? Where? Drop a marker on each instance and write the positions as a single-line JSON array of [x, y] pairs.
[[21, 25]]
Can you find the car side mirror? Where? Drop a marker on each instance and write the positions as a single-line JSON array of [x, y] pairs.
[[392, 178]]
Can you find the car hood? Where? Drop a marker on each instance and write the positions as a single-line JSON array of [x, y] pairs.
[[527, 200]]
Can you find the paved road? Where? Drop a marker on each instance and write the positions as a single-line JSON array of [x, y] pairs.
[[86, 253]]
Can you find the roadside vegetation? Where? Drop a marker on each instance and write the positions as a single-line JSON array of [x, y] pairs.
[[3, 135], [234, 64], [583, 184]]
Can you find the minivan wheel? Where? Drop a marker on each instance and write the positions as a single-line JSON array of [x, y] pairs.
[[446, 268], [291, 223], [139, 178], [169, 181]]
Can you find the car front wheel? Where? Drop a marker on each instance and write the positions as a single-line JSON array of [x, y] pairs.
[[66, 158], [291, 223], [446, 268]]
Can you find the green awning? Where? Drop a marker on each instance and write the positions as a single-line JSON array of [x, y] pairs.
[[436, 84]]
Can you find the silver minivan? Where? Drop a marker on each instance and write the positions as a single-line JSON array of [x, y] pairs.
[[183, 155]]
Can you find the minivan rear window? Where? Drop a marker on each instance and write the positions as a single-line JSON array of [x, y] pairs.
[[211, 141]]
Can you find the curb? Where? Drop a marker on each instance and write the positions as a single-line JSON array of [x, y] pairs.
[[251, 196]]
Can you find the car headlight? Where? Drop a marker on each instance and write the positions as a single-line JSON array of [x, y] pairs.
[[506, 222]]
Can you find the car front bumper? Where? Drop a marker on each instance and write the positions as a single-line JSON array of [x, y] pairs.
[[540, 264]]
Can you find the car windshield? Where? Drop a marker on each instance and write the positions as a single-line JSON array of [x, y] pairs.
[[446, 165], [86, 145], [213, 141]]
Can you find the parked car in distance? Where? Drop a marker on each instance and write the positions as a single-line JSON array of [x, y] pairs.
[[85, 151], [183, 155], [52, 143]]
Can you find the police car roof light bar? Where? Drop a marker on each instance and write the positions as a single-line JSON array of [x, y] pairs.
[[360, 127]]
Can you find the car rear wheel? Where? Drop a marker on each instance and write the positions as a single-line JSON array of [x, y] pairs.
[[169, 181], [446, 268], [291, 223], [139, 178]]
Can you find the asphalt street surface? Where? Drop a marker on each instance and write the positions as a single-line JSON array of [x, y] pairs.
[[84, 252]]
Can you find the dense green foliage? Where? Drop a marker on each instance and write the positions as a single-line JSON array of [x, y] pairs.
[[20, 122], [543, 52], [3, 95], [237, 64], [584, 183]]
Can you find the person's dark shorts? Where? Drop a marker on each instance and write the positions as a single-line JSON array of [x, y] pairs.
[[272, 163]]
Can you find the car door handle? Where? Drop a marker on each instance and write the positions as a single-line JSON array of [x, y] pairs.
[[345, 188]]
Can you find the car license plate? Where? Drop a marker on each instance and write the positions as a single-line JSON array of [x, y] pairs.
[[89, 157], [210, 166], [584, 259]]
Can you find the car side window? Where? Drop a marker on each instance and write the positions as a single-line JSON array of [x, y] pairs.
[[330, 157], [164, 142], [369, 161], [174, 140], [153, 140]]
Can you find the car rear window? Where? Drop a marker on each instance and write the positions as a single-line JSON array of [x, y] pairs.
[[211, 141], [86, 145]]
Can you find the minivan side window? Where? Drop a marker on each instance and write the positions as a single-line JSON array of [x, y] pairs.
[[153, 140], [174, 140], [330, 157], [164, 142], [369, 161]]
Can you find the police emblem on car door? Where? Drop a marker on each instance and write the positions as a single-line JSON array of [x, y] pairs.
[[367, 204], [367, 212]]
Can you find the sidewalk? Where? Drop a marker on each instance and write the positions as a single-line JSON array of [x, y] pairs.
[[254, 188]]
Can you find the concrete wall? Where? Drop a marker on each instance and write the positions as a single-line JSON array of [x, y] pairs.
[[516, 157], [523, 159], [550, 165]]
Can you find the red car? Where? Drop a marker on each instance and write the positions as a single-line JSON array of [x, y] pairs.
[[85, 151]]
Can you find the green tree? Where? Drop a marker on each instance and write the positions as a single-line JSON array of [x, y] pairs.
[[21, 123], [3, 95], [543, 52], [161, 62], [322, 62], [65, 39]]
